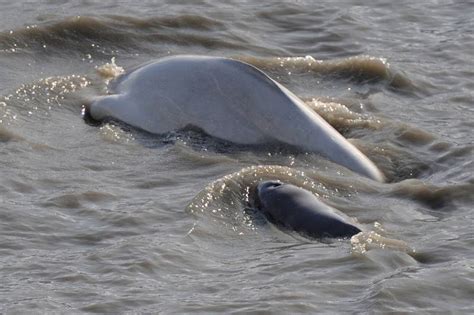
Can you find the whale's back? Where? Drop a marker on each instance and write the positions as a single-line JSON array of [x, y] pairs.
[[216, 95], [227, 99]]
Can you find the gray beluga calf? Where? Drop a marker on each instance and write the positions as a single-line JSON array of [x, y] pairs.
[[299, 210], [227, 99]]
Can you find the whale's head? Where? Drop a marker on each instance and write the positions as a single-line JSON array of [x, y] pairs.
[[261, 193], [96, 110], [106, 108], [102, 107]]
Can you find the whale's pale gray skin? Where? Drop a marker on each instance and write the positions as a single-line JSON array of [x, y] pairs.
[[227, 99], [299, 210]]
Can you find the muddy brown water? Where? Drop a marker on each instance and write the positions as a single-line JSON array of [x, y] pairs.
[[109, 219]]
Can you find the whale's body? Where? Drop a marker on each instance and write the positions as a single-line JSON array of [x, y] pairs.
[[299, 210], [227, 99]]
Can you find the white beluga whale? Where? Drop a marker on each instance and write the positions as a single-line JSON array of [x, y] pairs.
[[227, 99]]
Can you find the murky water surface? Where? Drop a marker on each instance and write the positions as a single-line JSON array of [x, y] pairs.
[[110, 219]]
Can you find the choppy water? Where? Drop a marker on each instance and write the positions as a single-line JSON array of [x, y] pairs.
[[111, 220]]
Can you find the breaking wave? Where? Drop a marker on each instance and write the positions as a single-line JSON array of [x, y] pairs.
[[357, 68], [106, 34]]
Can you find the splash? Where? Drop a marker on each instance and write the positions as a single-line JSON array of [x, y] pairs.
[[369, 240], [340, 116], [115, 134], [110, 71]]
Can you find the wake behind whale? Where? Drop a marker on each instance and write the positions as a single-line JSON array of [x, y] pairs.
[[227, 99]]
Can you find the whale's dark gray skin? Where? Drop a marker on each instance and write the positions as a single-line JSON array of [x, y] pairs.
[[298, 209]]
